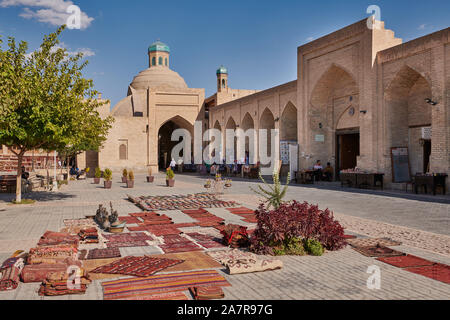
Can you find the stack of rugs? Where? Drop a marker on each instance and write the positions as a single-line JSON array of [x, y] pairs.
[[86, 230], [235, 236], [176, 243], [246, 213], [207, 293], [10, 272], [180, 202], [237, 261], [89, 235], [63, 283]]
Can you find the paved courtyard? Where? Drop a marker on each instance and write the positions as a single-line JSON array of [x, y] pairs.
[[421, 223]]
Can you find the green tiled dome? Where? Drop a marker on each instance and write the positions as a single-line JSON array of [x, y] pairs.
[[222, 70], [159, 46]]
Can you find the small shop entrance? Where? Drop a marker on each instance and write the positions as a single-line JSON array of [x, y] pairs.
[[348, 149]]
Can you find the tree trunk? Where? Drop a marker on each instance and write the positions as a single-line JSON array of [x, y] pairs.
[[19, 178], [68, 169]]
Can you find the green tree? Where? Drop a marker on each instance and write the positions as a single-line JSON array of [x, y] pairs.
[[46, 103]]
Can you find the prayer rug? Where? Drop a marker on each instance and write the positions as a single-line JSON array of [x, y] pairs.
[[130, 220], [39, 272], [369, 242], [207, 293], [103, 253], [163, 232], [127, 288], [175, 238], [407, 261], [439, 272], [378, 251], [137, 266]]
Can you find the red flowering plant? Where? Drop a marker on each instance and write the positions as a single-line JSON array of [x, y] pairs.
[[293, 221]]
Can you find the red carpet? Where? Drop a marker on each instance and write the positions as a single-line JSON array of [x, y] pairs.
[[407, 261], [439, 272]]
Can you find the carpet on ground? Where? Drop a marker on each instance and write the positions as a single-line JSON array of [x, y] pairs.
[[135, 287], [194, 260], [103, 253], [137, 266], [407, 261], [438, 271], [378, 251]]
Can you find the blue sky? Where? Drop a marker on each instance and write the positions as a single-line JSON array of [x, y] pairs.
[[255, 39]]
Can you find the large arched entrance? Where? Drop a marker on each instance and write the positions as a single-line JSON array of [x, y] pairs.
[[231, 146], [249, 124], [408, 114], [267, 123], [165, 143], [288, 137], [335, 93]]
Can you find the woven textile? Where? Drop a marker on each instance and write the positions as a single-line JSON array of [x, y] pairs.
[[137, 266], [57, 284], [378, 251], [103, 253], [180, 202], [180, 247], [51, 254], [207, 293], [407, 261], [39, 272], [129, 288], [369, 242], [439, 272], [130, 220], [177, 295], [9, 278], [138, 239], [51, 238], [206, 241]]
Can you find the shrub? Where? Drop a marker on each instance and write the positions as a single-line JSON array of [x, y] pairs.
[[108, 175], [170, 174], [290, 246], [295, 221], [87, 170], [98, 172], [124, 173], [131, 175], [313, 247]]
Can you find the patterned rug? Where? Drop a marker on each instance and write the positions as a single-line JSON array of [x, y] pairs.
[[439, 272], [103, 253], [206, 241], [137, 266], [137, 287], [180, 202], [378, 251], [138, 239], [130, 220], [180, 247], [207, 293], [407, 261], [194, 260], [370, 242], [177, 295]]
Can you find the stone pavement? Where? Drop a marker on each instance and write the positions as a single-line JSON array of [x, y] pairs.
[[422, 226]]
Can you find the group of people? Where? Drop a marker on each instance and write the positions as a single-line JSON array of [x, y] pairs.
[[323, 174]]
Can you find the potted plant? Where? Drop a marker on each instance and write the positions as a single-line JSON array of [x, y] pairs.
[[150, 177], [130, 181], [124, 175], [97, 176], [108, 178], [170, 175]]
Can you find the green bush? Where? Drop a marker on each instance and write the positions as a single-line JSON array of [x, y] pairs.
[[313, 247], [98, 172], [170, 174], [108, 175], [290, 246]]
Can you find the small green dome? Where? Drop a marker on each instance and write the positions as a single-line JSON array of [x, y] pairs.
[[222, 70], [158, 46]]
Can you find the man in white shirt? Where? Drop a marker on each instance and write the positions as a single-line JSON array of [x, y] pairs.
[[318, 169]]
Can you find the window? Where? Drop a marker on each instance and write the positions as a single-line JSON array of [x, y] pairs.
[[160, 62], [153, 61], [223, 83], [166, 62], [123, 150]]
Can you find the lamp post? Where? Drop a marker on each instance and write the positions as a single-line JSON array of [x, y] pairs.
[[55, 183]]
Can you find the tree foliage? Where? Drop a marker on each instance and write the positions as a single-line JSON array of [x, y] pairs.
[[46, 103]]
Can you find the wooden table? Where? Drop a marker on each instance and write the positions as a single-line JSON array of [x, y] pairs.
[[362, 180], [430, 181]]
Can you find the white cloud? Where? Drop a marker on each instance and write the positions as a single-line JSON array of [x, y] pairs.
[[47, 11], [422, 27]]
